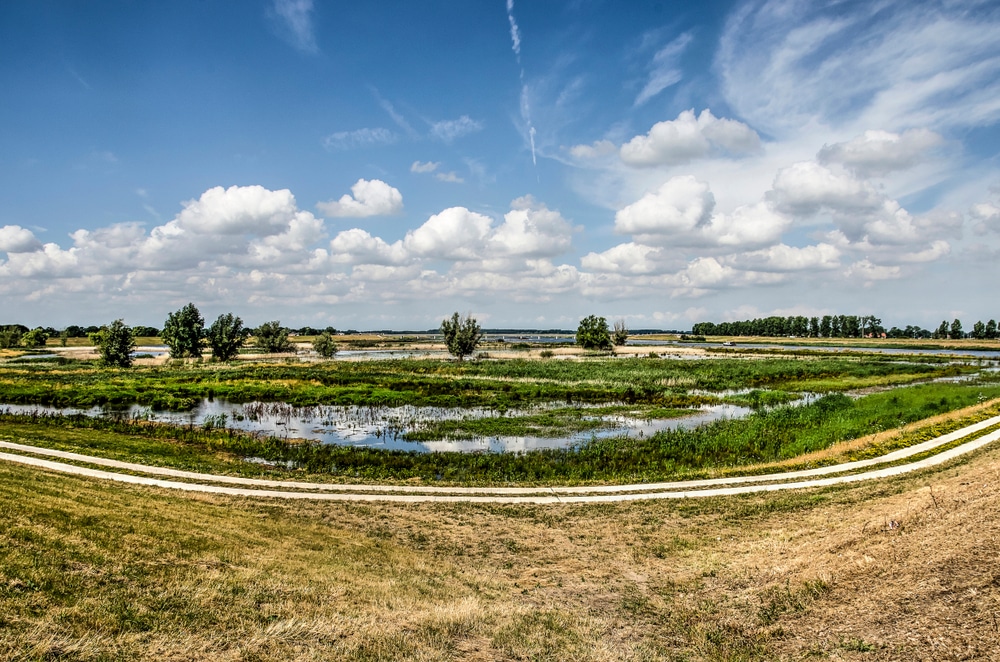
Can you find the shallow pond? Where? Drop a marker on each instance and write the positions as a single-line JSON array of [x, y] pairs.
[[385, 427]]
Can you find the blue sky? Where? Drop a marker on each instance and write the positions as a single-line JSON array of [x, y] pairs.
[[383, 164]]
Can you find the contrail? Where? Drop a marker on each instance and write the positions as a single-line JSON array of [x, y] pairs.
[[515, 33], [515, 39]]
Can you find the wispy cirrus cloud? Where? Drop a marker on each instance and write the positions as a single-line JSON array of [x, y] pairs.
[[664, 70], [295, 22], [367, 137], [450, 130]]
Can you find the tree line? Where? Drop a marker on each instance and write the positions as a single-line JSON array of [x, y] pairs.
[[840, 326]]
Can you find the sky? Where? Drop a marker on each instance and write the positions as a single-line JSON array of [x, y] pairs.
[[380, 165]]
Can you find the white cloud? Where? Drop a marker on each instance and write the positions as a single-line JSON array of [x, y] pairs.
[[599, 149], [682, 213], [422, 168], [450, 130], [236, 210], [532, 230], [356, 246], [807, 187], [868, 272], [368, 198], [781, 258], [687, 138], [988, 216], [664, 70], [453, 234], [680, 206], [295, 17], [629, 258], [881, 152], [15, 239], [450, 177], [786, 66], [366, 137]]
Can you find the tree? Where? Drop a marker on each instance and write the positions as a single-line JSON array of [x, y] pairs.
[[10, 336], [461, 335], [272, 337], [593, 333], [325, 346], [979, 330], [942, 331], [956, 330], [991, 329], [115, 343], [183, 332], [620, 334], [825, 326], [35, 338], [225, 337]]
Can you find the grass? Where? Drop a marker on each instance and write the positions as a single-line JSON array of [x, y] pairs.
[[766, 436], [507, 383], [98, 571]]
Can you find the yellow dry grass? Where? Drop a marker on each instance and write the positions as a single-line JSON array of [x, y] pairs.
[[900, 570]]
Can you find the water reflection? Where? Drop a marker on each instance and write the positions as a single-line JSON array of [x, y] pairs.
[[386, 427]]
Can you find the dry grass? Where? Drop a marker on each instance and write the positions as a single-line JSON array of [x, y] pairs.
[[901, 570]]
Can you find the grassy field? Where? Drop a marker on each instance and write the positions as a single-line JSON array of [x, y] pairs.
[[766, 436], [898, 570], [507, 383]]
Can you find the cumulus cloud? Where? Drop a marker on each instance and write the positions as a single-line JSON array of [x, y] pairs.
[[453, 234], [867, 271], [784, 258], [629, 258], [368, 198], [236, 210], [985, 217], [807, 187], [599, 149], [356, 246], [881, 152], [450, 130], [687, 138], [15, 239], [682, 213], [367, 137], [532, 230]]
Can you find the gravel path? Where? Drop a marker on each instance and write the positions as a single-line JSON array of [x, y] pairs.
[[236, 486]]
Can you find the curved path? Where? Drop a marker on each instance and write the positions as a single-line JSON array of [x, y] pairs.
[[29, 455]]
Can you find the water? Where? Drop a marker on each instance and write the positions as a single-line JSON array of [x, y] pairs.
[[385, 427]]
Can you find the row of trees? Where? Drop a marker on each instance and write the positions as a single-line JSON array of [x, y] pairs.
[[463, 335], [185, 335], [828, 326], [839, 326]]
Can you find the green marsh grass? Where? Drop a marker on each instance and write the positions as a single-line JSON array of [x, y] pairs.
[[767, 435]]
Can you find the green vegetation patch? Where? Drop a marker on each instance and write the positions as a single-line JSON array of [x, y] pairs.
[[513, 383], [765, 436]]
